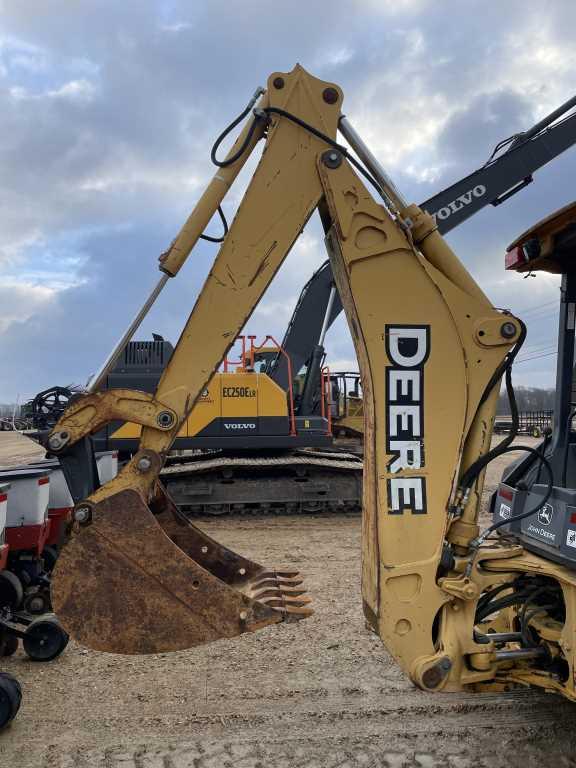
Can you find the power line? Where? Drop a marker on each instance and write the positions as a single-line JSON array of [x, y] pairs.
[[537, 350], [530, 310], [535, 357], [540, 306], [544, 316], [538, 353], [536, 318], [543, 344]]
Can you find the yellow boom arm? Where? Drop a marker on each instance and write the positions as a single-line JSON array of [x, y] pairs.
[[430, 349]]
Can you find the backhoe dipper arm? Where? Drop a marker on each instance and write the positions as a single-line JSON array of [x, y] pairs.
[[431, 351]]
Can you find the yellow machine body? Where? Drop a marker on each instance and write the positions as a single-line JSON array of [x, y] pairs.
[[347, 405], [352, 421], [241, 403]]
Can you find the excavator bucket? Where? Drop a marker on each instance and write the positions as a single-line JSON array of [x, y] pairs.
[[141, 579]]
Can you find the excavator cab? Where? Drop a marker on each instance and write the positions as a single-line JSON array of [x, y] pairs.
[[548, 246], [347, 404]]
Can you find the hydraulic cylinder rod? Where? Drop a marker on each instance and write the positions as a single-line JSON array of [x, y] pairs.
[[545, 122], [314, 373], [516, 654], [98, 379], [176, 255], [327, 315], [390, 192]]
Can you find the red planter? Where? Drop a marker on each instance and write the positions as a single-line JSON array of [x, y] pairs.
[[29, 537]]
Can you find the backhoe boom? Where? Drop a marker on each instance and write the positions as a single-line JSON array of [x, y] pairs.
[[431, 351]]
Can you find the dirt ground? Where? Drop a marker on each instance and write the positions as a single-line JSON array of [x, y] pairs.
[[322, 693]]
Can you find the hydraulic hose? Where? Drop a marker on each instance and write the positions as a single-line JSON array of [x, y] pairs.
[[470, 475], [224, 224], [539, 504]]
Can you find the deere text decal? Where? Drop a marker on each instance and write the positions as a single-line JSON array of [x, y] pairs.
[[407, 347]]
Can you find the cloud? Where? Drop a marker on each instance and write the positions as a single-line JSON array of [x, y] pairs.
[[109, 111], [74, 90], [20, 301], [334, 57]]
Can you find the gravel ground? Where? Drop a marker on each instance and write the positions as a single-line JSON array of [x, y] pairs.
[[322, 693]]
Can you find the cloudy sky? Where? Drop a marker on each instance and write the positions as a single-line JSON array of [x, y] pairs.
[[109, 110]]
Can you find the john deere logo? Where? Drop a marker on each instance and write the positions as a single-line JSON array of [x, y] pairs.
[[545, 514]]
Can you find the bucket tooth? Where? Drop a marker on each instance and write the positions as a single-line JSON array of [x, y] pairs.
[[270, 581], [294, 613], [281, 601], [142, 579], [280, 574], [271, 592]]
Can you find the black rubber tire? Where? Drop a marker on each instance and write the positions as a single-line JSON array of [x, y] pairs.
[[8, 644], [49, 555], [10, 698], [11, 591], [37, 603], [44, 639]]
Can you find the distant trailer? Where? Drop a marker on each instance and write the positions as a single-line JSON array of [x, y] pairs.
[[530, 423]]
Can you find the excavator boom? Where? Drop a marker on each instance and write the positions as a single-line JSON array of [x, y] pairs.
[[137, 577]]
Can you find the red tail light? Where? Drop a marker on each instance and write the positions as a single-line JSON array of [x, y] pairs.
[[515, 258]]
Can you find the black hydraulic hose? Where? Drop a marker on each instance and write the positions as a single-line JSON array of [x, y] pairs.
[[470, 475], [488, 596], [517, 598], [240, 151], [328, 140], [537, 130], [506, 363], [539, 504], [264, 114], [501, 144], [228, 161], [224, 224], [543, 446], [567, 447]]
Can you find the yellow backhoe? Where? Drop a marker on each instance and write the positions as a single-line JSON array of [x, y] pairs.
[[137, 577]]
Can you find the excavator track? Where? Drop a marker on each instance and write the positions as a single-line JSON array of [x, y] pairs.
[[303, 481]]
